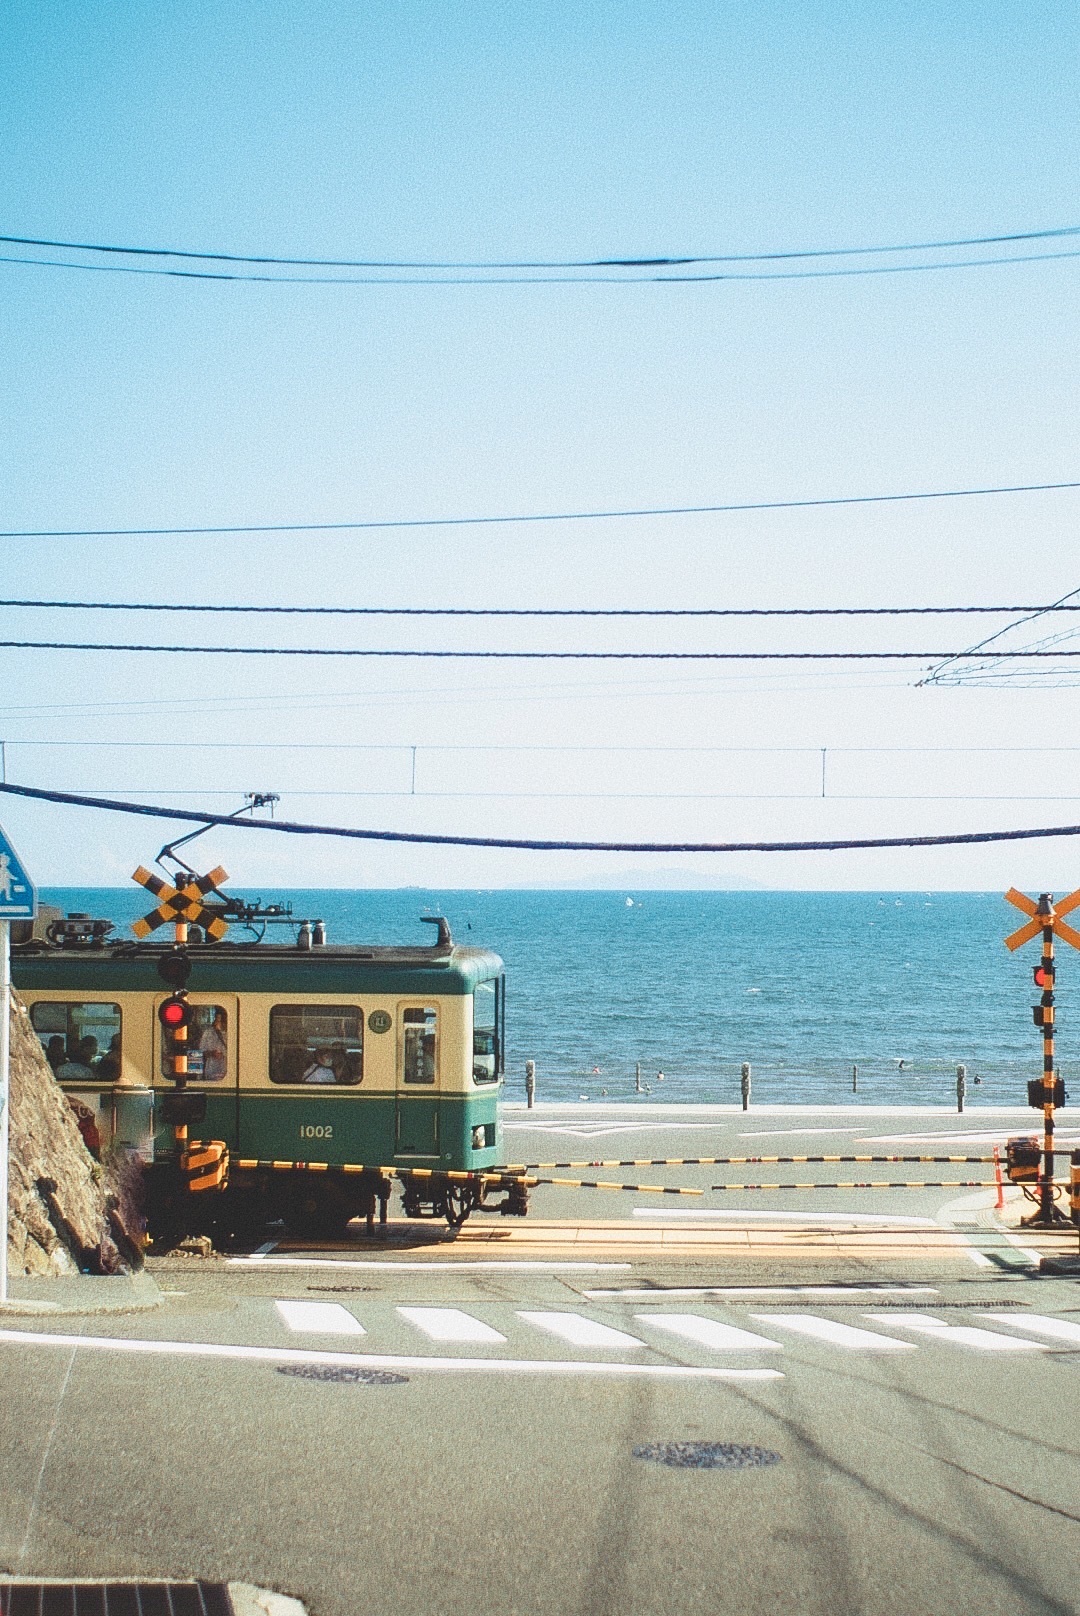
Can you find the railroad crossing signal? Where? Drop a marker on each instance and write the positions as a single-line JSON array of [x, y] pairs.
[[182, 904], [1046, 915], [1046, 922]]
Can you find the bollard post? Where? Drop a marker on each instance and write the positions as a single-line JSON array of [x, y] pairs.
[[998, 1180], [530, 1083], [854, 1080], [961, 1086], [746, 1086]]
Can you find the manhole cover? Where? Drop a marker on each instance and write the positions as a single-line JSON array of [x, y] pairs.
[[343, 1377], [706, 1455]]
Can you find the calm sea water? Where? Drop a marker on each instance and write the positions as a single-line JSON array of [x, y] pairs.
[[802, 985]]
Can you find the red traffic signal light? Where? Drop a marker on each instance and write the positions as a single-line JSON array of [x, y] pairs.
[[1043, 978], [174, 1013]]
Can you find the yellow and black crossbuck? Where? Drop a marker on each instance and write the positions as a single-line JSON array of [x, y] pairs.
[[182, 903]]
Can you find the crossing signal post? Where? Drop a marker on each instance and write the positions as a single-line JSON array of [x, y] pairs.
[[1046, 920]]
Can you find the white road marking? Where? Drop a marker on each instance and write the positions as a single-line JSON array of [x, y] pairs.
[[837, 1335], [320, 1318], [985, 1136], [373, 1360], [598, 1131], [1039, 1324], [535, 1264], [978, 1259], [580, 1331], [836, 1218], [449, 1324], [959, 1335], [734, 1292], [264, 1250], [709, 1333], [797, 1133]]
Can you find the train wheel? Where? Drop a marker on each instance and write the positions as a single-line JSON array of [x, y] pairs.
[[458, 1204]]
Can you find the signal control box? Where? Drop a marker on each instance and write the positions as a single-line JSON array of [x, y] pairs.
[[1023, 1160], [1037, 1093]]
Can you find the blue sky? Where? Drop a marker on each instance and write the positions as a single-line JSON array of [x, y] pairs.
[[488, 131]]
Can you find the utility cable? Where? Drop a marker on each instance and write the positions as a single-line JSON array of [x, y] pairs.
[[538, 611], [515, 656], [575, 278], [539, 516], [652, 262], [934, 674], [529, 844]]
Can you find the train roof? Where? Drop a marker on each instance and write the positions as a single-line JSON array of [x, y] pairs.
[[257, 967]]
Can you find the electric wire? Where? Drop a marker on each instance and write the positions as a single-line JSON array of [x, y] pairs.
[[527, 844], [538, 516], [538, 611], [548, 279], [552, 263], [424, 653]]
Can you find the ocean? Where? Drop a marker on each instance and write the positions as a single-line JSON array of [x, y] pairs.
[[803, 986]]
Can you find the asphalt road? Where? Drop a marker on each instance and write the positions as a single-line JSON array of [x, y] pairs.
[[453, 1425]]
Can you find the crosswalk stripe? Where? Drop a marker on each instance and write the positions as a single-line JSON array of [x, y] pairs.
[[449, 1324], [958, 1335], [320, 1318], [735, 1293], [1039, 1324], [708, 1332], [580, 1331], [837, 1335]]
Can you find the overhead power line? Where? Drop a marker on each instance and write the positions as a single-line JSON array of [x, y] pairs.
[[530, 844], [671, 269], [399, 652], [532, 611], [537, 516], [613, 262]]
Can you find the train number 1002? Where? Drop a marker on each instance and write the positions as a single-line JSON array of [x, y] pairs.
[[313, 1130]]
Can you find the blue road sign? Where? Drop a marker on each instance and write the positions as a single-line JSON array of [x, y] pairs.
[[18, 899]]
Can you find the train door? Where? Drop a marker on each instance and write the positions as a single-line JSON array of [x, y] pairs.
[[213, 1063], [416, 1109]]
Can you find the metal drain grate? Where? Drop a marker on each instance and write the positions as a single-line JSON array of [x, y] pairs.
[[114, 1599], [340, 1377], [706, 1455]]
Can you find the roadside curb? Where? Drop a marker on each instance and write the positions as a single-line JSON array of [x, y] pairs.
[[81, 1294]]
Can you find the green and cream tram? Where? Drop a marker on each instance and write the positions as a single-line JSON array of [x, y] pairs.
[[320, 1057]]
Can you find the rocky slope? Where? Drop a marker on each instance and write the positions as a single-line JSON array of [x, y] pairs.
[[67, 1213]]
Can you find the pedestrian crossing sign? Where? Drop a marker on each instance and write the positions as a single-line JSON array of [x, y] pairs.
[[18, 897]]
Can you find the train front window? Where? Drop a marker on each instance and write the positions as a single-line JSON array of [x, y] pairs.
[[208, 1046], [486, 1061], [81, 1041], [419, 1059], [316, 1043]]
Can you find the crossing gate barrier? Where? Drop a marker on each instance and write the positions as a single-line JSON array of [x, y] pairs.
[[205, 1165]]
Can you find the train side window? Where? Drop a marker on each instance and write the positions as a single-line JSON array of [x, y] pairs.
[[420, 1029], [81, 1041], [486, 1063], [208, 1046], [316, 1043]]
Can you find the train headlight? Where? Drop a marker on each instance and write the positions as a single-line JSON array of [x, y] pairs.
[[479, 1137]]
